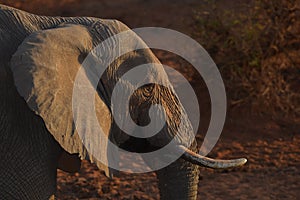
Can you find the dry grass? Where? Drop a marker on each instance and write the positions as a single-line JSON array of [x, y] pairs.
[[256, 45]]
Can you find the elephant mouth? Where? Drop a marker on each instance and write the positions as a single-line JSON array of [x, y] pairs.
[[197, 159]]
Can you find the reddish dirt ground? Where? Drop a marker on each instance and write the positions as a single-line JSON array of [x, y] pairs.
[[271, 146]]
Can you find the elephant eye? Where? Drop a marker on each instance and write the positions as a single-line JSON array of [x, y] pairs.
[[148, 90]]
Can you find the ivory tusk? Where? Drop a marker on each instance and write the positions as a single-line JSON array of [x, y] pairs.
[[209, 162]]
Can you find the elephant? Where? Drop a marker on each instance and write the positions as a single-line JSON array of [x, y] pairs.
[[39, 59]]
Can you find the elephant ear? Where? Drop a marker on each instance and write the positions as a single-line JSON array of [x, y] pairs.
[[44, 69]]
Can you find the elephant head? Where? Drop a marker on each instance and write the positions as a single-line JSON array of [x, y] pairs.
[[40, 59]]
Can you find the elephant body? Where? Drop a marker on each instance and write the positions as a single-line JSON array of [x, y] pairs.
[[39, 60], [27, 167], [29, 151]]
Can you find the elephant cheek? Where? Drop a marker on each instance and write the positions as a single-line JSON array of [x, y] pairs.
[[162, 129]]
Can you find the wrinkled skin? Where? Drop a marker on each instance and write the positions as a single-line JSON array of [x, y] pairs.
[[31, 148], [46, 124]]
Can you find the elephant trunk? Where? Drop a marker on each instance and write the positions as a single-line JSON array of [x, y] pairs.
[[178, 181]]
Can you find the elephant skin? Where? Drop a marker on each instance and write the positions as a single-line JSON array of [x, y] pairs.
[[39, 59]]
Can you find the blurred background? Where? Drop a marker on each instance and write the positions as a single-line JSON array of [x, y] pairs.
[[256, 46]]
